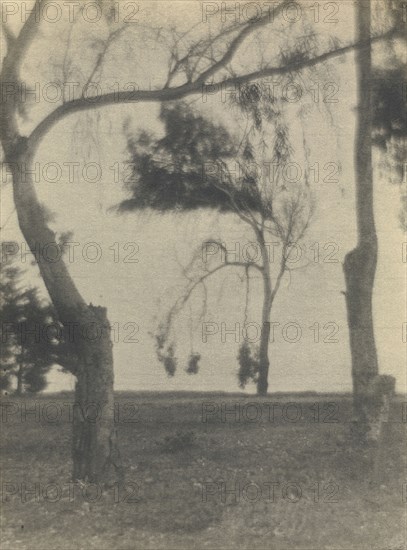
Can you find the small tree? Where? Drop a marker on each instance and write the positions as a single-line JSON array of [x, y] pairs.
[[30, 329], [194, 166]]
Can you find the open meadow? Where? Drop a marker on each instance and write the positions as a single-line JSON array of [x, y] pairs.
[[205, 471]]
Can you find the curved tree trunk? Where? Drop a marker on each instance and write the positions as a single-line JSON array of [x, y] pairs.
[[95, 455], [369, 390], [94, 439]]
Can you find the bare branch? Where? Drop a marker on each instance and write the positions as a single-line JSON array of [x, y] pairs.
[[113, 35], [190, 88], [244, 215], [200, 281], [242, 264], [278, 280], [236, 43], [299, 65]]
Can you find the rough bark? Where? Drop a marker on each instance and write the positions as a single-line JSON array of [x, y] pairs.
[[369, 389], [95, 452]]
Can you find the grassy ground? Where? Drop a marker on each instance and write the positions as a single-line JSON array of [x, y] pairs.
[[297, 483]]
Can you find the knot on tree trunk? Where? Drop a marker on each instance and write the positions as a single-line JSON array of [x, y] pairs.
[[372, 409]]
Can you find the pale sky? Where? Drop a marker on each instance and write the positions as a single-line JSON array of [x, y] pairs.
[[131, 291]]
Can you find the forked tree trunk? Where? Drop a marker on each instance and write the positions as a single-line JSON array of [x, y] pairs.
[[370, 392]]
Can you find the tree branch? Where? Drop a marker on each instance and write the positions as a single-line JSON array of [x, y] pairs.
[[190, 88], [20, 44], [279, 278], [179, 304], [8, 35], [237, 41], [114, 35]]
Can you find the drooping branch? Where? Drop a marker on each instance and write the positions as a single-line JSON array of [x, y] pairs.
[[194, 87], [201, 280], [183, 299]]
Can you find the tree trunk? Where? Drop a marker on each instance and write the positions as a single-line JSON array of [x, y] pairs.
[[19, 389], [264, 362], [94, 445], [360, 264], [95, 454]]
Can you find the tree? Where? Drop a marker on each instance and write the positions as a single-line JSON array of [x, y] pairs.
[[8, 303], [198, 164], [371, 392], [193, 63], [32, 356], [30, 334]]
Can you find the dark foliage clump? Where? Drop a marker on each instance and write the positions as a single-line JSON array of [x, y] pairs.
[[165, 354], [183, 170], [193, 363], [249, 364], [390, 106], [170, 361]]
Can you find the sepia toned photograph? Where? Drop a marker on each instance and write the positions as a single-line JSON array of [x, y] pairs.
[[203, 291]]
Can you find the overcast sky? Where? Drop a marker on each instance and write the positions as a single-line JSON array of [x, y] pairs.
[[138, 292]]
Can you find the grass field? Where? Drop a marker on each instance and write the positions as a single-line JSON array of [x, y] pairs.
[[279, 475]]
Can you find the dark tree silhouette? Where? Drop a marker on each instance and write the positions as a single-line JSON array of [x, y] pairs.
[[31, 335]]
